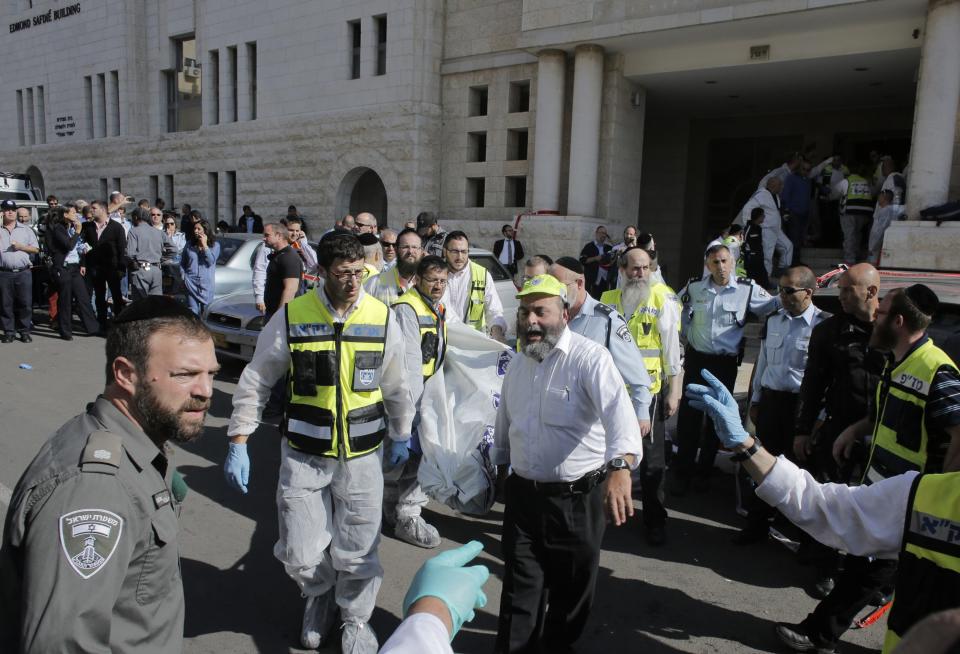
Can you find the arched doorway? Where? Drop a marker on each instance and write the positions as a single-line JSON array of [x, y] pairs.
[[36, 180], [363, 190]]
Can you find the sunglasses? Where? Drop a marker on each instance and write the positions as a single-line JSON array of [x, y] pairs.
[[388, 244], [790, 290], [169, 224]]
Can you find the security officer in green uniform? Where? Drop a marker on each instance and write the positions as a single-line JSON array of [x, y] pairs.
[[346, 396], [422, 319], [90, 557], [916, 428], [910, 517]]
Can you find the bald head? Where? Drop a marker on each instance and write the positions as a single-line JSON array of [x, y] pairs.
[[859, 289], [774, 184], [863, 274]]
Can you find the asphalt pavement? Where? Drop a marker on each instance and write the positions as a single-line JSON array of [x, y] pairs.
[[699, 593]]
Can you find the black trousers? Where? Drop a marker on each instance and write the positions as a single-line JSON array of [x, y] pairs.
[[16, 301], [651, 469], [859, 582], [551, 553], [776, 425], [690, 422], [103, 278], [71, 285]]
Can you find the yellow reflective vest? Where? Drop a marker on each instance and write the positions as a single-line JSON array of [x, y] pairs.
[[433, 330], [900, 429], [643, 327], [335, 404], [476, 317], [859, 198], [928, 578]]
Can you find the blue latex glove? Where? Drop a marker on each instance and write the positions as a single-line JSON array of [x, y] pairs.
[[445, 578], [717, 402], [237, 467], [398, 452]]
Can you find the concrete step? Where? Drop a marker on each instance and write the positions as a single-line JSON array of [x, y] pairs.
[[822, 260]]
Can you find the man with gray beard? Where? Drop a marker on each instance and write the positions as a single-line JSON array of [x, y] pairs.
[[566, 428]]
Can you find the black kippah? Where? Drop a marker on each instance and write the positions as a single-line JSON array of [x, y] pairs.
[[570, 264], [923, 298], [154, 306], [367, 239]]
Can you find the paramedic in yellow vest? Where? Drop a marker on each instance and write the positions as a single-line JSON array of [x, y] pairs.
[[652, 312], [347, 395], [420, 315], [856, 208], [471, 297], [911, 517], [918, 429]]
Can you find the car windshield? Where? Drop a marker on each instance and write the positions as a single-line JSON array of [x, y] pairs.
[[496, 270], [228, 246], [14, 195]]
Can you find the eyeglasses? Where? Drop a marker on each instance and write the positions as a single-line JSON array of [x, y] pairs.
[[366, 224], [789, 290], [350, 274], [156, 215], [435, 282], [169, 224], [388, 244], [452, 251]]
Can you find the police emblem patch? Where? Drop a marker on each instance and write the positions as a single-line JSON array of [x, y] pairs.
[[89, 538], [366, 377], [502, 362], [624, 334]]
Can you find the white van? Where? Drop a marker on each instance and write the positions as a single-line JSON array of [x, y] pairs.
[[18, 187]]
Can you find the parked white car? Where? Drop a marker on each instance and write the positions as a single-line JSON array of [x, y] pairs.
[[236, 323]]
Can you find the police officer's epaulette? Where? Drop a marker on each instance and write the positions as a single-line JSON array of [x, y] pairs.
[[605, 309], [686, 289], [102, 453], [745, 280]]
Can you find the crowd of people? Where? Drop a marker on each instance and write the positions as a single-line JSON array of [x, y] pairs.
[[356, 329]]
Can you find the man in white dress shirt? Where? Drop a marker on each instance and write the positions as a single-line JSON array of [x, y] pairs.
[[471, 296], [566, 427]]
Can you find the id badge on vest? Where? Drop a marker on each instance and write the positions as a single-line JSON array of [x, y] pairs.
[[366, 371]]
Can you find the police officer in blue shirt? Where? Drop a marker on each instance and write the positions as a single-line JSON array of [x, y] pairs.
[[775, 395], [715, 310], [603, 325]]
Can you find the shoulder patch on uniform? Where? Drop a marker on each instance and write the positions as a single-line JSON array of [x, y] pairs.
[[604, 308], [102, 447], [744, 280], [624, 334], [89, 537]]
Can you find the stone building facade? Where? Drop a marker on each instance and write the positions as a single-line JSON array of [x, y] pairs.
[[585, 111]]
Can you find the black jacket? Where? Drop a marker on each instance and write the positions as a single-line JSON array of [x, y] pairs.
[[241, 225], [59, 244], [517, 251], [109, 252]]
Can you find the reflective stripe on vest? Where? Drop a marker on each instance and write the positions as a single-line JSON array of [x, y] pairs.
[[334, 400], [900, 433], [928, 578], [475, 297], [643, 327], [430, 326], [859, 196]]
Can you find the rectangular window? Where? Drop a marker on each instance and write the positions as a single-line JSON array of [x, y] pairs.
[[88, 104], [232, 72], [103, 188], [475, 191], [117, 185], [353, 31], [153, 193], [477, 146], [478, 101], [516, 144], [115, 101], [252, 77], [213, 198], [230, 194], [214, 73], [31, 119], [183, 87], [380, 24], [20, 122], [102, 98], [519, 96], [41, 115], [515, 194], [168, 189]]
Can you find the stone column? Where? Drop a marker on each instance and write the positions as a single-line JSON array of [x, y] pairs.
[[935, 113], [548, 131], [585, 131]]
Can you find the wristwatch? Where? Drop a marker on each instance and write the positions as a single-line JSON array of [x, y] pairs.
[[747, 453], [618, 463]]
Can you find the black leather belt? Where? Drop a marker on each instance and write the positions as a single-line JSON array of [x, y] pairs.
[[580, 486], [14, 270]]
